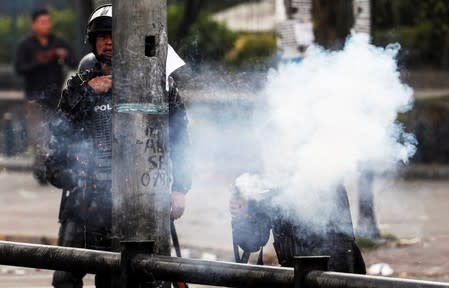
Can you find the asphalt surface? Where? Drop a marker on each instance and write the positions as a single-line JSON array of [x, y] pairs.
[[414, 211]]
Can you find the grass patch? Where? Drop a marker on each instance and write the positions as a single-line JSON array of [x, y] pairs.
[[365, 243], [389, 237], [385, 239]]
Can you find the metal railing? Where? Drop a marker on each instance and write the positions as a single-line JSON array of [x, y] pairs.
[[136, 262]]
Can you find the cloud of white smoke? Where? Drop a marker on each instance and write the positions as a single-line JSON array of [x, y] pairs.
[[331, 116]]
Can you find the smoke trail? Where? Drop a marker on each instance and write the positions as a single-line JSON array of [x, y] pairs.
[[330, 117], [310, 126]]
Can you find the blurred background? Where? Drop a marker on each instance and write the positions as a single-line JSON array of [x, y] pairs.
[[241, 40], [241, 36]]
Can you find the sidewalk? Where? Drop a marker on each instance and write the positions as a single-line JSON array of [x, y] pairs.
[[18, 163]]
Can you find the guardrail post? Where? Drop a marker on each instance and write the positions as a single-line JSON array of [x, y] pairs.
[[128, 277], [8, 134], [304, 264]]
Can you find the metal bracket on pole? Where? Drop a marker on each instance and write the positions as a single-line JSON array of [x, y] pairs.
[[304, 264], [129, 250]]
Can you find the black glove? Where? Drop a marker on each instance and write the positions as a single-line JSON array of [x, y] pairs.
[[65, 179]]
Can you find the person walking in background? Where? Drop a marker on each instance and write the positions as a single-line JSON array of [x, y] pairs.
[[40, 59]]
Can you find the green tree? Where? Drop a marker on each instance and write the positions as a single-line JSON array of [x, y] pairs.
[[206, 39], [64, 22], [252, 50], [65, 25], [421, 27], [333, 20]]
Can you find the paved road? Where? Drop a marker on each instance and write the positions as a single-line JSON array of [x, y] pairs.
[[411, 209], [418, 211]]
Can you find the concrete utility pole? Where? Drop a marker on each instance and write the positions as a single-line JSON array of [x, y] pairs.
[[141, 170]]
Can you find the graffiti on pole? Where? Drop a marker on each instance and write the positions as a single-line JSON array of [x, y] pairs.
[[156, 153]]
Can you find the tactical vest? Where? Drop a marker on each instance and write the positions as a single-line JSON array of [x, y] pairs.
[[99, 181]]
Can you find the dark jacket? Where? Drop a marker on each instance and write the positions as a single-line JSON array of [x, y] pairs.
[[43, 81], [81, 165], [294, 236]]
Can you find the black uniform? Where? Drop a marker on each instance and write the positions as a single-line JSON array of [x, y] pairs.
[[294, 236], [79, 162], [43, 81]]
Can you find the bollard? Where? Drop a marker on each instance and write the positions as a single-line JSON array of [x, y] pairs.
[[129, 278], [304, 264]]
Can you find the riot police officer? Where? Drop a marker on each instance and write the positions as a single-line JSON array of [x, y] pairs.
[[80, 152], [256, 213]]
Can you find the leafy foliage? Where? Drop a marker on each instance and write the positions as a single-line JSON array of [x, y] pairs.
[[207, 40], [421, 27], [64, 23], [212, 5], [5, 39], [252, 50]]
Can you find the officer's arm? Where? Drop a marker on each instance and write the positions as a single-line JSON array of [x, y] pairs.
[[60, 162], [57, 165]]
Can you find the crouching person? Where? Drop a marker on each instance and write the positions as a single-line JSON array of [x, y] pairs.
[[256, 210]]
